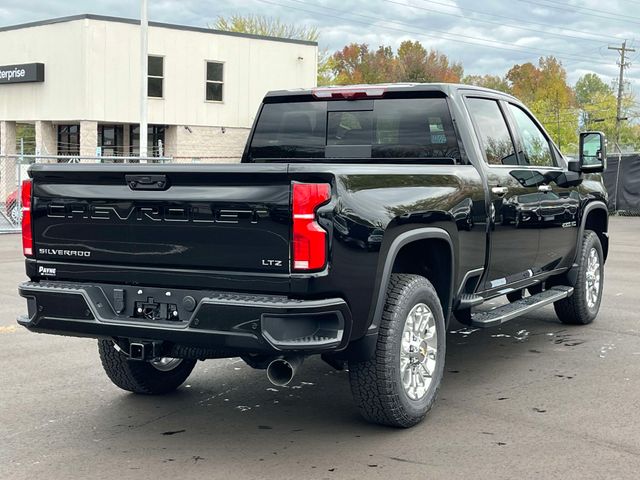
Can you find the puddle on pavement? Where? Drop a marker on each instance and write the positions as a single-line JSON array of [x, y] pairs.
[[519, 336], [465, 332], [606, 348]]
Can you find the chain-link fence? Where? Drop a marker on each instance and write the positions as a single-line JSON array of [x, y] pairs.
[[13, 170]]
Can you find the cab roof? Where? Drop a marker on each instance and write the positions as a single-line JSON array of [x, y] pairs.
[[378, 90]]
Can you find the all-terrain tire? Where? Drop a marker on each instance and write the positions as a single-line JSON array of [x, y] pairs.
[[376, 383], [575, 310], [141, 377]]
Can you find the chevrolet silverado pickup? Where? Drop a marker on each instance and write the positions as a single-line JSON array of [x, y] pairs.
[[360, 220]]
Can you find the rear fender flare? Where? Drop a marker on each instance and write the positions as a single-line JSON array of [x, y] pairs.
[[397, 244]]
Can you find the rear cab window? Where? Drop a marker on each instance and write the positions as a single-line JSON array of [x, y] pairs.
[[334, 130]]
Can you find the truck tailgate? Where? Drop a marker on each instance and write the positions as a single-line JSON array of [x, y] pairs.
[[218, 217]]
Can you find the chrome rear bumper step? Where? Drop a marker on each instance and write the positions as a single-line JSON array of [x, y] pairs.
[[505, 313]]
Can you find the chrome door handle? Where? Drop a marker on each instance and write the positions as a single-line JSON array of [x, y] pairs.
[[500, 191], [544, 188]]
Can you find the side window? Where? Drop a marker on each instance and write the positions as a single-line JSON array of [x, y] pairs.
[[155, 70], [493, 132], [536, 148], [214, 83]]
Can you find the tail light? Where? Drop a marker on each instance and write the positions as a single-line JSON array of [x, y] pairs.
[[27, 236], [309, 238]]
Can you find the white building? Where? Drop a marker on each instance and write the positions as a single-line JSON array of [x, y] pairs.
[[77, 79]]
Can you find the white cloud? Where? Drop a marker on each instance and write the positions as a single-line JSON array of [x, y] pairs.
[[551, 29]]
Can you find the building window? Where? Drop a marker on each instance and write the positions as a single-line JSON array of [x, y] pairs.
[[214, 81], [110, 140], [155, 140], [69, 139], [155, 76]]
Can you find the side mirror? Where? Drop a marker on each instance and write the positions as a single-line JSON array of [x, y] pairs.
[[593, 152]]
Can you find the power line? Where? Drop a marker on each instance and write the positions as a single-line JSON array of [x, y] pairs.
[[581, 11], [442, 34], [493, 15], [439, 12]]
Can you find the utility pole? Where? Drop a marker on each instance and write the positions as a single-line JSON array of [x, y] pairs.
[[144, 25], [558, 120], [623, 50]]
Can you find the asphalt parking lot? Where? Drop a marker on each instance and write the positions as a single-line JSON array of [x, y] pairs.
[[532, 399]]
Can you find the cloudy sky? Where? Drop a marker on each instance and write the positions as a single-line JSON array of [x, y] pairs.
[[488, 36]]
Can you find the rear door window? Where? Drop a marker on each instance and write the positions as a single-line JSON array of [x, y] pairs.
[[493, 132], [392, 128]]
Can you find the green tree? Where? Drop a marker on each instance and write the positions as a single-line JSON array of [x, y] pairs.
[[544, 89], [588, 86], [416, 64], [325, 68], [598, 109], [412, 58], [494, 82], [267, 26], [273, 27]]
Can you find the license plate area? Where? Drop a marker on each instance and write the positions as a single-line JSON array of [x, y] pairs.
[[151, 310]]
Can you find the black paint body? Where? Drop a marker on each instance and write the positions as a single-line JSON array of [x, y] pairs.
[[227, 228]]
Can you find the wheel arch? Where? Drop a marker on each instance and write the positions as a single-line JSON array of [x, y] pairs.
[[425, 251], [596, 218]]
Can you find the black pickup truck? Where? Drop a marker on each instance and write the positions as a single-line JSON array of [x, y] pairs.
[[359, 221]]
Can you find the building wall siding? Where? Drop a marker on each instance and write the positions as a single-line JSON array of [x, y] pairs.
[[92, 73]]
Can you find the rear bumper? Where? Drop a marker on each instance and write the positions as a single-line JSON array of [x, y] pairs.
[[230, 323]]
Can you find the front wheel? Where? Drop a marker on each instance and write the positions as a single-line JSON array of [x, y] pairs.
[[582, 307], [399, 384], [159, 376]]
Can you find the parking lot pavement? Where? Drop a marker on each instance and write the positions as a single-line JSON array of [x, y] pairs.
[[532, 399]]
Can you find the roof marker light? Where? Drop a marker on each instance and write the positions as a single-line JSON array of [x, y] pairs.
[[349, 93]]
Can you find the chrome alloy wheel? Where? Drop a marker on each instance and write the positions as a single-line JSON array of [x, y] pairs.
[[592, 285], [166, 364], [418, 351]]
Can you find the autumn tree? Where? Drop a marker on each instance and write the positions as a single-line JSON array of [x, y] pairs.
[[416, 64], [412, 58], [544, 89], [495, 82], [356, 63]]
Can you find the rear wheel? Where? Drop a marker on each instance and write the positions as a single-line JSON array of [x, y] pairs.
[[582, 307], [399, 385], [159, 376]]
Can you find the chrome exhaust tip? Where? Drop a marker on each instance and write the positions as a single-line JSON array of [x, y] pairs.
[[281, 371]]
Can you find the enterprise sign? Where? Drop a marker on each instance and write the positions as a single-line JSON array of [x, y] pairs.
[[23, 73]]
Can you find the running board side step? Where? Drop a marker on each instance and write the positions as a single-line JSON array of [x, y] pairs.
[[468, 300], [505, 313]]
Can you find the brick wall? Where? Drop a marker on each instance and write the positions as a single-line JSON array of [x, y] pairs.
[[205, 144]]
